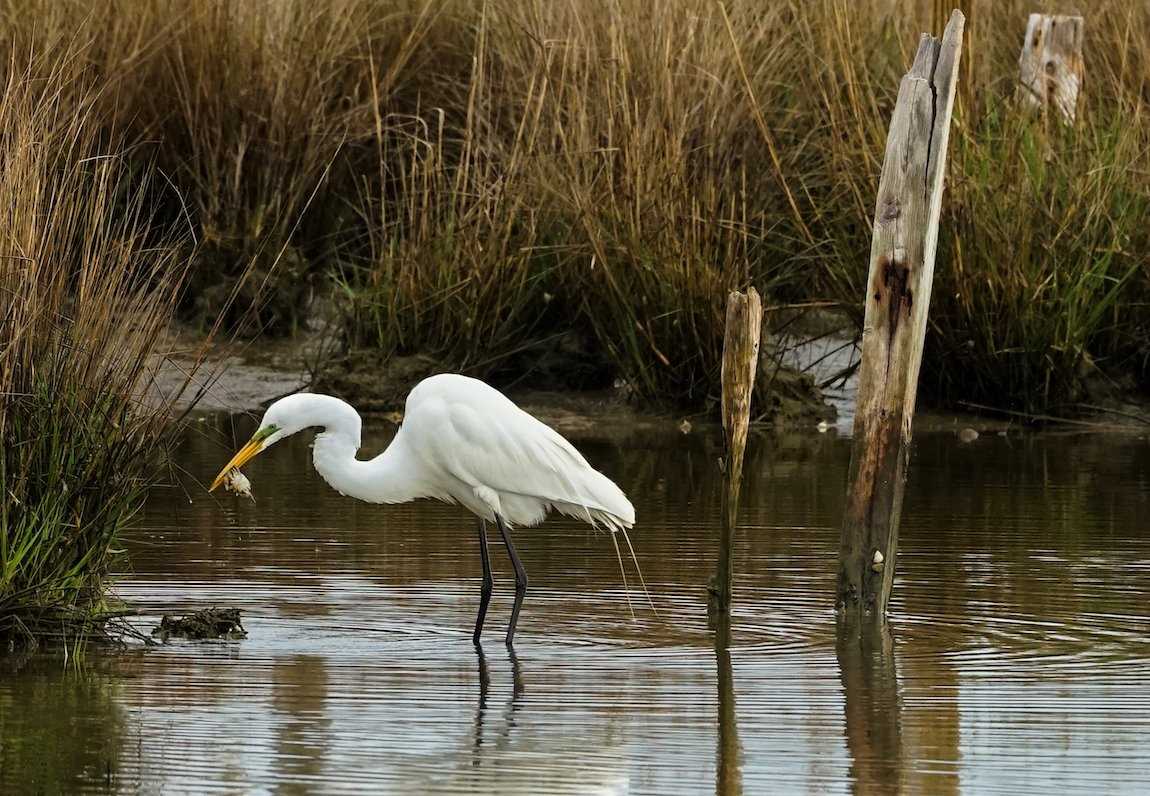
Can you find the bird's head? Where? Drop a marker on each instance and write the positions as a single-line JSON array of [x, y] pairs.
[[282, 419]]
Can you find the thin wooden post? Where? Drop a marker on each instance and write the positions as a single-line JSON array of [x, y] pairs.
[[1050, 68], [898, 294], [740, 359]]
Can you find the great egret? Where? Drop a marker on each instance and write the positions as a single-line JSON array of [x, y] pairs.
[[462, 442]]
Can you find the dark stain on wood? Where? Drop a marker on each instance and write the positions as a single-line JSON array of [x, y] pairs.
[[895, 276]]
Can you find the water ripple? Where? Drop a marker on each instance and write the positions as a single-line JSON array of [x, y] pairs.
[[1019, 658]]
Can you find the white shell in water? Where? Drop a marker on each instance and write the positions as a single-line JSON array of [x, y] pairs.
[[967, 435], [237, 482], [877, 557]]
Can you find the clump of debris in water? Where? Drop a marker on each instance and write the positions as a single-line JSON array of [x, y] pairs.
[[210, 623]]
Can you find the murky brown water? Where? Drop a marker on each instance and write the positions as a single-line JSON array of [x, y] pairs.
[[1019, 660]]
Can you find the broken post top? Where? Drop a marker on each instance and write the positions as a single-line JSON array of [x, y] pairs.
[[1050, 67], [740, 359], [937, 63]]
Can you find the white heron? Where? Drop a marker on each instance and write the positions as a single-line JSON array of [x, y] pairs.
[[461, 441]]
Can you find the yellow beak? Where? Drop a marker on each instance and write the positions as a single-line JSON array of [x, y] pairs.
[[242, 457]]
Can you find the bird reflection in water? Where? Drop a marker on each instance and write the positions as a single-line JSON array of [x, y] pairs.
[[510, 710]]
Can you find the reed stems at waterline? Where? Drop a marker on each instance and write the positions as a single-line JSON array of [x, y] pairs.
[[87, 289]]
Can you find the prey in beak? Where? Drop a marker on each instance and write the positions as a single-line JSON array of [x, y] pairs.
[[243, 455]]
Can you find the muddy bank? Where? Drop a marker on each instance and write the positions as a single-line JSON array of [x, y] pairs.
[[805, 381], [785, 396], [247, 376]]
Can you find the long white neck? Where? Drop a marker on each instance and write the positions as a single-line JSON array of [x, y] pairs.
[[391, 477]]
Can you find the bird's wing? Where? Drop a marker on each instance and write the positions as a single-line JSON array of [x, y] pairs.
[[495, 444]]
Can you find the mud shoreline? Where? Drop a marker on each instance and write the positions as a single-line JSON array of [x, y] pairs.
[[244, 377]]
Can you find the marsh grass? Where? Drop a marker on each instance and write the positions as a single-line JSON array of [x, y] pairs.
[[659, 155], [87, 288], [650, 164], [603, 180], [248, 112], [250, 104], [480, 180], [1042, 259], [457, 264]]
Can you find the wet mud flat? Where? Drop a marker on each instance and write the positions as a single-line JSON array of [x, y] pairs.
[[1019, 657]]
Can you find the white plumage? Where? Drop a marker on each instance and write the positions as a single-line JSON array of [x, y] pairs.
[[462, 442], [497, 459]]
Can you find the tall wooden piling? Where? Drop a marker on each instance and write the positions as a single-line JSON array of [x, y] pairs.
[[898, 294], [740, 360], [1050, 68]]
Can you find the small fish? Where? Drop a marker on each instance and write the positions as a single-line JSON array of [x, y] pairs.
[[237, 482]]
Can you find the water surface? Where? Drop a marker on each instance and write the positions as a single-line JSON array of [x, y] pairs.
[[1018, 657]]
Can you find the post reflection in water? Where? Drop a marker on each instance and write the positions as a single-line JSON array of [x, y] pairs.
[[728, 764], [1018, 661], [871, 707]]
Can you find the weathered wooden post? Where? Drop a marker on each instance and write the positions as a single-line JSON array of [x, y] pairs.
[[740, 359], [898, 294], [1050, 68]]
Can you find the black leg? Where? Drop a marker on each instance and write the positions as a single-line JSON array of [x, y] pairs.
[[520, 577], [485, 591]]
